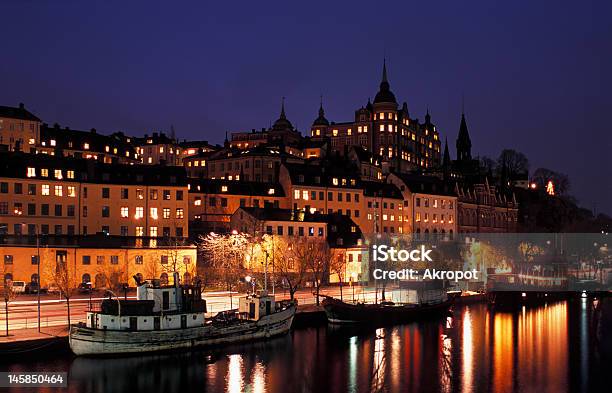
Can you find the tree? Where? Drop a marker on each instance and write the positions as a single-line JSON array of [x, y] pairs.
[[488, 166], [316, 257], [9, 295], [64, 279], [337, 265], [290, 263], [542, 176], [226, 254], [510, 164]]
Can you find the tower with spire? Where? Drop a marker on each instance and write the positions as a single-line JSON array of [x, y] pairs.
[[464, 144]]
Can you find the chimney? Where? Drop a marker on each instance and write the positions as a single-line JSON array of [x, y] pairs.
[[93, 130], [21, 106]]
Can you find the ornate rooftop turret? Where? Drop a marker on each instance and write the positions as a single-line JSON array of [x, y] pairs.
[[384, 94]]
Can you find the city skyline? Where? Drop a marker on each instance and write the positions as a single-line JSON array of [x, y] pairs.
[[206, 75]]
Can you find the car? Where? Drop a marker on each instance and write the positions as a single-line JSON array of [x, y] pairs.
[[85, 287], [53, 289], [32, 288], [19, 286]]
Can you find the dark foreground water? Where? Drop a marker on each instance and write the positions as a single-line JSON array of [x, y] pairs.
[[551, 348]]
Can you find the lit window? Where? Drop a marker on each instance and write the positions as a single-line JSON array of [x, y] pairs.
[[52, 142], [153, 231], [166, 212], [223, 188], [59, 190], [31, 172], [139, 212], [44, 172], [418, 217], [150, 160], [161, 149], [382, 127], [197, 202], [349, 132], [296, 194], [45, 189], [153, 213], [107, 149], [70, 174], [335, 181], [335, 132], [139, 231], [271, 191], [125, 212], [71, 191], [86, 146], [305, 195], [180, 212], [58, 174]]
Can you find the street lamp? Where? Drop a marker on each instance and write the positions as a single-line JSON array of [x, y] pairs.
[[19, 213]]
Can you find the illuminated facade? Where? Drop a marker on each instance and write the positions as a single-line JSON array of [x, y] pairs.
[[19, 129], [105, 261], [66, 196], [387, 130]]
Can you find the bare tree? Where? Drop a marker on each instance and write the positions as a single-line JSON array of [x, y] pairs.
[[65, 280], [290, 263], [337, 265], [510, 164], [317, 255], [227, 254], [542, 176]]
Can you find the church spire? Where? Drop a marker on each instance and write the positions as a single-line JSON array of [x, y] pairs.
[[464, 144], [282, 114], [384, 93], [321, 120], [446, 158]]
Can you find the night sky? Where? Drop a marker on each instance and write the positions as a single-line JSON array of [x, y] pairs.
[[536, 75]]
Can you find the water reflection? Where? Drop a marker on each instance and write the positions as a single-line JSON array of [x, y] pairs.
[[540, 349]]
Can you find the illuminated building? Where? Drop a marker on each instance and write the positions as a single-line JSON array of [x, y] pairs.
[[19, 129]]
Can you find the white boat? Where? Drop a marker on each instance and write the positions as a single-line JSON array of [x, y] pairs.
[[173, 317]]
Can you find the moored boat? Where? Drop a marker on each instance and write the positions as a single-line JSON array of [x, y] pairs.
[[173, 317], [339, 312]]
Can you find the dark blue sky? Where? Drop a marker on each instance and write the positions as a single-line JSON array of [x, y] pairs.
[[535, 75]]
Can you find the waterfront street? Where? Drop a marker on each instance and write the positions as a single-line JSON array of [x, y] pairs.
[[23, 311]]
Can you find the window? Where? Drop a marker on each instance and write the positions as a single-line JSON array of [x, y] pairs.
[[58, 174], [139, 193], [153, 194], [179, 231], [84, 210], [223, 203], [138, 259], [114, 259], [167, 195], [180, 214], [31, 209], [44, 172], [59, 190], [139, 212], [106, 229], [86, 259], [153, 231], [125, 193], [31, 189], [105, 192], [18, 208], [70, 211], [44, 209], [34, 259], [198, 202], [58, 210], [166, 212], [8, 259], [139, 231], [164, 259], [70, 174], [179, 195], [166, 231], [125, 212], [290, 231], [124, 230], [71, 191], [153, 213], [100, 260], [18, 188], [320, 231], [31, 172], [58, 229], [45, 189], [212, 201], [105, 211]]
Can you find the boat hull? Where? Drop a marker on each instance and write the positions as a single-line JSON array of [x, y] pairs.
[[339, 312], [98, 342]]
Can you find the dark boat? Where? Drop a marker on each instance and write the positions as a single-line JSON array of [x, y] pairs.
[[339, 312]]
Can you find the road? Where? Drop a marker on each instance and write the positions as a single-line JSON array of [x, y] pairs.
[[23, 311]]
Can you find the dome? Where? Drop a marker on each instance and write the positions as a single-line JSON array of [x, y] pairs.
[[384, 94]]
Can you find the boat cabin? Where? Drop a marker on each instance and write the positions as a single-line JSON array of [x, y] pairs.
[[255, 306], [157, 307]]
